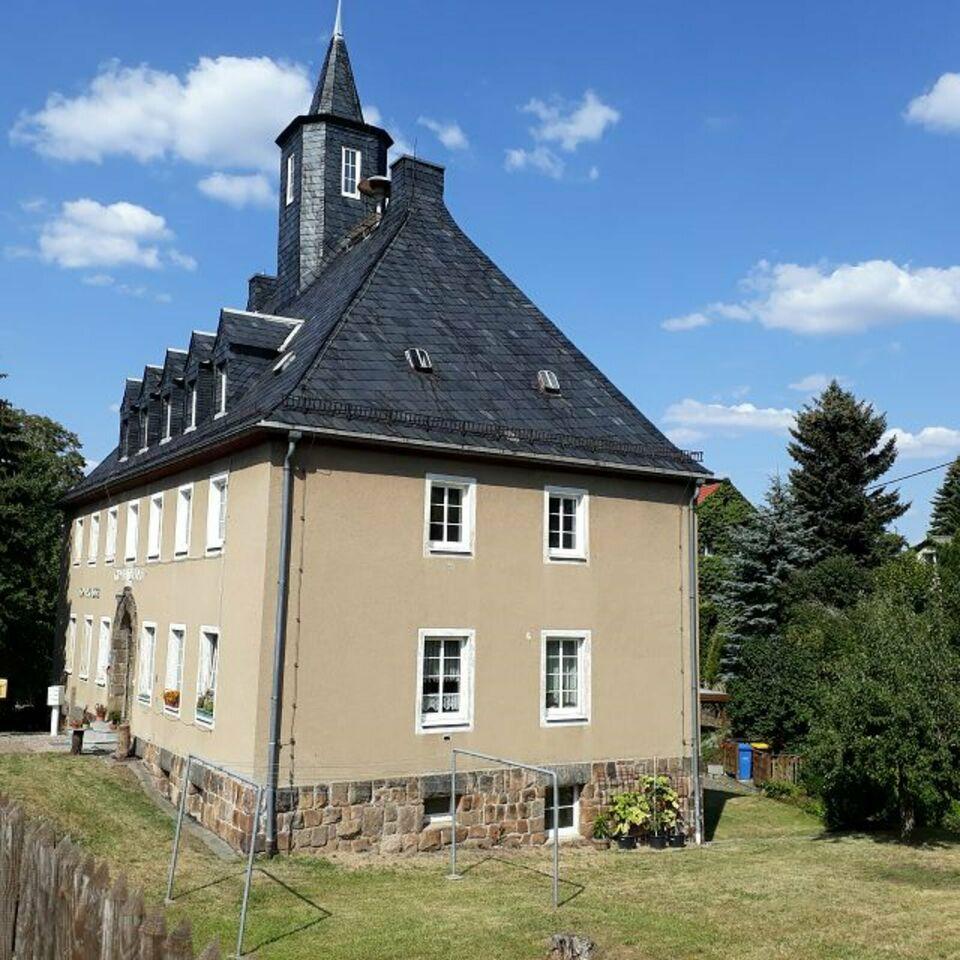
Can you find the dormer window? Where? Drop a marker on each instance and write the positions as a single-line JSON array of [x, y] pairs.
[[166, 409], [419, 360], [291, 172], [350, 173], [143, 420], [548, 382], [191, 406], [124, 438], [221, 389]]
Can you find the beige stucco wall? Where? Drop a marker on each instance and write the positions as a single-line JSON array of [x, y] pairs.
[[225, 590], [366, 588]]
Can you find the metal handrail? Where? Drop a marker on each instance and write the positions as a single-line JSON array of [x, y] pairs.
[[185, 789], [510, 763]]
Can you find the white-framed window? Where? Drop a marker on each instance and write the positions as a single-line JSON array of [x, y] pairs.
[[155, 527], [207, 666], [71, 647], [124, 438], [291, 172], [78, 540], [568, 811], [93, 544], [350, 173], [191, 406], [221, 389], [445, 679], [217, 513], [103, 651], [132, 533], [181, 545], [173, 678], [565, 677], [565, 526], [144, 424], [110, 547], [166, 411], [148, 648], [86, 649], [449, 514]]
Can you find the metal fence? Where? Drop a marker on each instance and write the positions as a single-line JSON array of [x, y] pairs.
[[457, 751]]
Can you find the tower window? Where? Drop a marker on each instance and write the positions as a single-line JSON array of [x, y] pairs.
[[291, 172], [350, 173]]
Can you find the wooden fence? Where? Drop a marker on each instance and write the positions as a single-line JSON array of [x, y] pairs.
[[58, 903], [766, 765]]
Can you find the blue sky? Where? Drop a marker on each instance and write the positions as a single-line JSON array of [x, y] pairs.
[[720, 203]]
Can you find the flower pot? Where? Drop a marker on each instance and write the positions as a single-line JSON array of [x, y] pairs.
[[658, 841], [677, 840], [627, 842]]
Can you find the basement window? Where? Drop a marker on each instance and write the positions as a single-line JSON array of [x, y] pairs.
[[436, 810], [548, 382], [419, 360], [568, 812]]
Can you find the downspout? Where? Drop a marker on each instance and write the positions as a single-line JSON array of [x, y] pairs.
[[692, 551], [279, 645]]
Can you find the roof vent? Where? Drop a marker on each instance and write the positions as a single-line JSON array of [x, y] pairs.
[[548, 382], [419, 360]]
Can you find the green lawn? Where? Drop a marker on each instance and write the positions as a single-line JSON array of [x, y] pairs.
[[770, 886]]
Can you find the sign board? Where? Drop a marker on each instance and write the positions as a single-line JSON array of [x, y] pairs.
[[54, 696], [129, 574], [3, 688], [92, 593]]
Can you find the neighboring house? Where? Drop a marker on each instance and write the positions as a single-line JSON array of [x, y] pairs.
[[926, 550], [393, 476]]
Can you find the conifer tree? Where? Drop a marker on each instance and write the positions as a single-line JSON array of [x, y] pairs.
[[945, 518], [839, 454]]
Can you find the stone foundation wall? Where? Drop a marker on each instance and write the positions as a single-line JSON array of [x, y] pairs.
[[503, 807]]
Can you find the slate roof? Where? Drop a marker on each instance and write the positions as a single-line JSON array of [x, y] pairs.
[[336, 92]]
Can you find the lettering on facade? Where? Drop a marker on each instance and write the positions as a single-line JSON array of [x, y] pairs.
[[91, 593], [129, 574]]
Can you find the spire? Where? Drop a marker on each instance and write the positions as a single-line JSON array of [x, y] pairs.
[[336, 92]]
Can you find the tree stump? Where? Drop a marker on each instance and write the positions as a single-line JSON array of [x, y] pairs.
[[76, 741], [571, 946]]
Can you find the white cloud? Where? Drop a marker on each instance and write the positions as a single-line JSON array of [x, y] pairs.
[[239, 190], [90, 465], [849, 298], [99, 280], [541, 159], [594, 173], [449, 134], [926, 443], [815, 382], [372, 115], [939, 107], [689, 322], [224, 112], [693, 414], [86, 233], [114, 408], [570, 124], [683, 436], [33, 205], [401, 146]]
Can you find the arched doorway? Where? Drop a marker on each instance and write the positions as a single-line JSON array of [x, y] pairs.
[[122, 644]]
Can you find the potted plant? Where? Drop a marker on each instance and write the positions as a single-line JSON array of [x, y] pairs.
[[602, 830], [629, 813], [171, 699], [114, 717], [205, 706], [101, 711], [665, 807]]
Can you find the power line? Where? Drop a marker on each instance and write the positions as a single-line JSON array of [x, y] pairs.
[[908, 476]]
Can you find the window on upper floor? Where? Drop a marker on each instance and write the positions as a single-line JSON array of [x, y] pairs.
[[146, 654], [445, 679], [93, 544], [173, 680], [181, 544], [221, 389], [207, 667], [103, 651], [110, 546], [155, 527], [450, 509], [132, 535], [565, 523], [70, 650], [78, 540], [144, 422], [291, 175], [190, 408], [350, 173], [124, 438], [166, 414], [565, 677], [217, 513]]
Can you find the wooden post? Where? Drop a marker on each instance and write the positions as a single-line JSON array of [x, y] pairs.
[[11, 852]]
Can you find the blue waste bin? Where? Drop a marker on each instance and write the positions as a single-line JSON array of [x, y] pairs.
[[744, 761]]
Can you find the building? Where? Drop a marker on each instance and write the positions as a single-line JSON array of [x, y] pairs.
[[386, 509]]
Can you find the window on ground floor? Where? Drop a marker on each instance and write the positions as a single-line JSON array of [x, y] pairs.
[[445, 679], [71, 646], [173, 679], [103, 651], [148, 646], [565, 686], [207, 675], [87, 647]]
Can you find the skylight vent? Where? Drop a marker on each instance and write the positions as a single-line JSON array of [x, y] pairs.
[[548, 382], [419, 360], [284, 362]]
